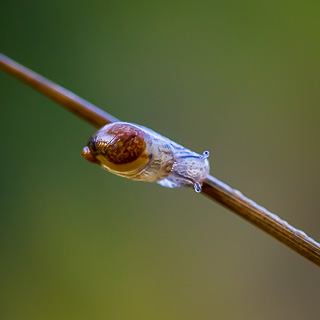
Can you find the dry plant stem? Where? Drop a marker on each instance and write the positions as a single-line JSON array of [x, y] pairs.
[[212, 187], [262, 218], [65, 98]]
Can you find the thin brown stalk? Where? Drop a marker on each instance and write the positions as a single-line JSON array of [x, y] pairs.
[[212, 187]]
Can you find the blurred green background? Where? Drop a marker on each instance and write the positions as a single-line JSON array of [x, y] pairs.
[[238, 78]]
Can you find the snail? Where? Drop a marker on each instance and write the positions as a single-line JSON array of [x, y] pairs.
[[138, 153]]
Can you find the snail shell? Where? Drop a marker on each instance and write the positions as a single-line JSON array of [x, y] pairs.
[[138, 153]]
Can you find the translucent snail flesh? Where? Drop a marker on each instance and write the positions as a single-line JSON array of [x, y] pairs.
[[138, 153]]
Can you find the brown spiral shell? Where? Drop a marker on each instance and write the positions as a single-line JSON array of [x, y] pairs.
[[125, 146], [120, 148]]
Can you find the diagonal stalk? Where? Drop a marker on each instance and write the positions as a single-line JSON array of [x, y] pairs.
[[212, 187]]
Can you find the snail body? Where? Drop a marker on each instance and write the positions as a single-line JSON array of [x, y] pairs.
[[138, 153]]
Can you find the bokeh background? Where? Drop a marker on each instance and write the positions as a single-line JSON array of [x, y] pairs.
[[239, 78]]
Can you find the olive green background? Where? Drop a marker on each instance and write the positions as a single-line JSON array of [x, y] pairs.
[[238, 78]]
